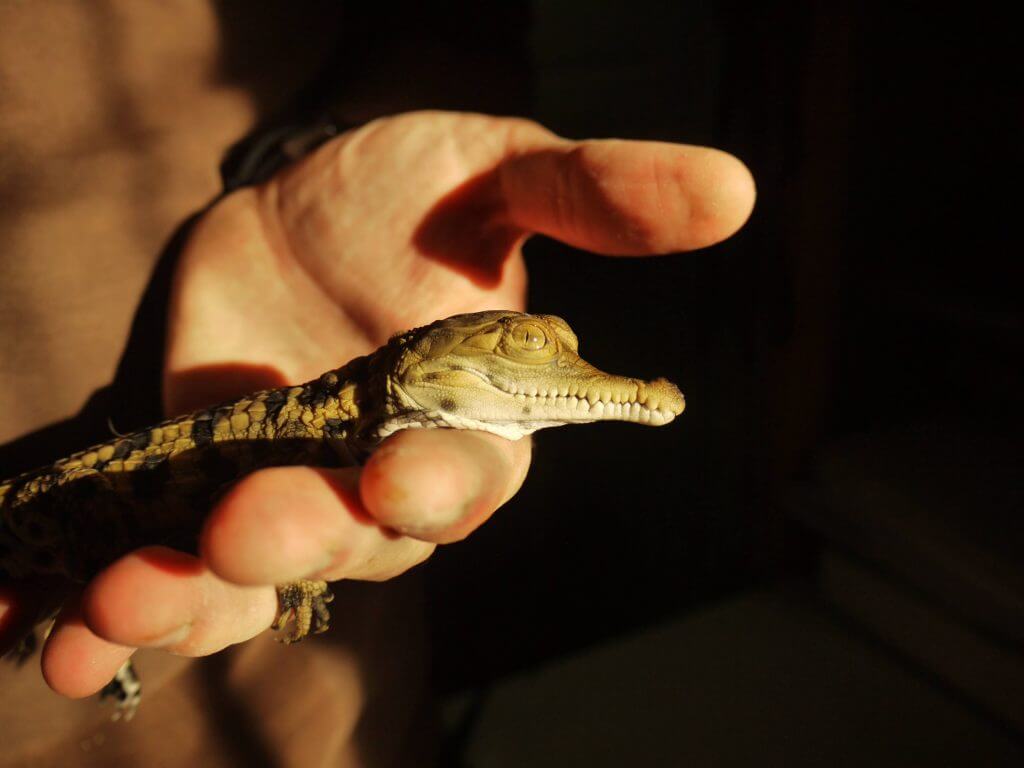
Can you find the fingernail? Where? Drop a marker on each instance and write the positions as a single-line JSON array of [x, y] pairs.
[[431, 499], [431, 522], [439, 486], [173, 637]]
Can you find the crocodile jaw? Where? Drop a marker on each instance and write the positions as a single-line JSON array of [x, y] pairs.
[[513, 410], [600, 397]]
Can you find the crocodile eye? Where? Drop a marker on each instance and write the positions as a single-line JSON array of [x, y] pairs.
[[531, 337], [529, 342]]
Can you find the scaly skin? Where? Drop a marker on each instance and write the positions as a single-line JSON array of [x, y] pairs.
[[503, 372]]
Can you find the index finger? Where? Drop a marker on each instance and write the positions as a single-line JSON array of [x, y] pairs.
[[439, 485]]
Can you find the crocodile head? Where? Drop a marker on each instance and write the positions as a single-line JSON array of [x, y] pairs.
[[508, 373]]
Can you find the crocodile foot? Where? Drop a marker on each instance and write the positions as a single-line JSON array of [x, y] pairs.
[[303, 604]]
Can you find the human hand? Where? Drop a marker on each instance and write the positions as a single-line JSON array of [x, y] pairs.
[[387, 227]]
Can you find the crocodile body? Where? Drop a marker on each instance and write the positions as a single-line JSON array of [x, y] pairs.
[[155, 486], [504, 372]]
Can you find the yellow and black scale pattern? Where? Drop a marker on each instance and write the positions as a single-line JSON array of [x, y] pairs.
[[155, 486]]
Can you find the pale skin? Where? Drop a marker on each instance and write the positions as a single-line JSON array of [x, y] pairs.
[[390, 226]]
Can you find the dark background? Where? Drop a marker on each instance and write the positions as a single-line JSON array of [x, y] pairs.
[[851, 361]]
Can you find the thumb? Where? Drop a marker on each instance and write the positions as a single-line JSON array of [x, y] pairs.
[[627, 197]]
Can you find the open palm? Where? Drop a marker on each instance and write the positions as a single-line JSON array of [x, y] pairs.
[[403, 221]]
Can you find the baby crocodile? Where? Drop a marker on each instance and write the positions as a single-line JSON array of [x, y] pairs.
[[503, 372]]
